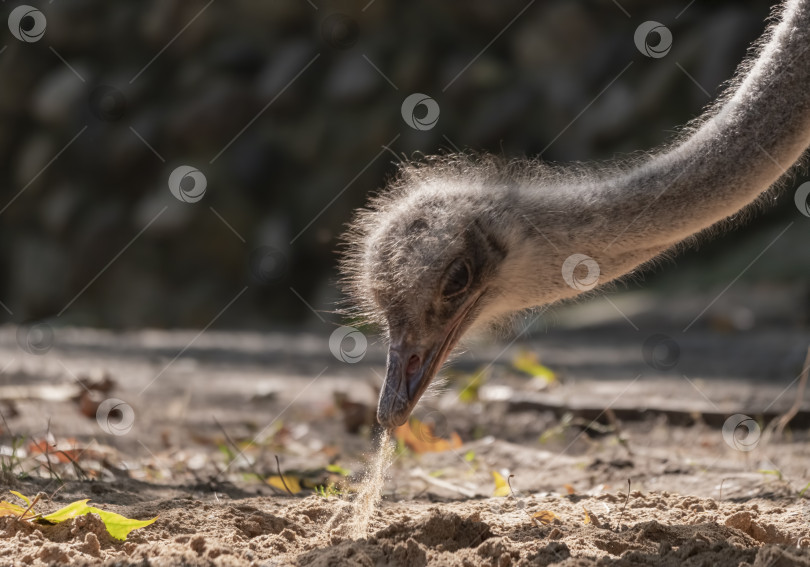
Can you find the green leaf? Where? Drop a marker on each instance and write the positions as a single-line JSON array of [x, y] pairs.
[[21, 497], [338, 470], [78, 508], [529, 363], [118, 526]]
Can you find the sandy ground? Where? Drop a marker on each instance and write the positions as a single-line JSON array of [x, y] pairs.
[[227, 527], [206, 426]]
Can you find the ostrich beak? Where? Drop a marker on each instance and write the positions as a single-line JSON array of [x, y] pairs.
[[408, 374], [411, 368]]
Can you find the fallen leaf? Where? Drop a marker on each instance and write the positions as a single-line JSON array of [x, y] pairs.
[[471, 385], [501, 485], [545, 517], [569, 488], [9, 509], [419, 438], [21, 497], [118, 525], [293, 483], [529, 363], [337, 469], [591, 518]]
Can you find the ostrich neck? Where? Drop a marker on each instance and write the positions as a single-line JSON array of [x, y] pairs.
[[626, 216]]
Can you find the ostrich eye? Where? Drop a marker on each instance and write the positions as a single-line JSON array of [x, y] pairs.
[[456, 279]]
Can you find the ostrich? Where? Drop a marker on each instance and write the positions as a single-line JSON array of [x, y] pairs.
[[460, 242]]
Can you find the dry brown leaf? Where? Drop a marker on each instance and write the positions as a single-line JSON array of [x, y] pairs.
[[591, 518], [545, 517], [419, 438]]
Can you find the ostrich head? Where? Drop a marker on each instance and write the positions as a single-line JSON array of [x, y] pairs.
[[424, 266]]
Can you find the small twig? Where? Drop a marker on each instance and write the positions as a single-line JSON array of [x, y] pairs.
[[47, 456], [281, 476], [720, 498], [239, 453], [509, 482], [55, 492], [420, 474], [626, 500], [30, 506], [76, 467]]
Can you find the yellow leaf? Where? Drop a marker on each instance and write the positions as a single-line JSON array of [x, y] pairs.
[[293, 483], [529, 363], [21, 497], [590, 517], [117, 525], [9, 509], [545, 517], [501, 485]]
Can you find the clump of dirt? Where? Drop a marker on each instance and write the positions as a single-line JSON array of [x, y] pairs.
[[441, 530]]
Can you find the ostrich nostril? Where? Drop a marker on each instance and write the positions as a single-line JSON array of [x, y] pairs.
[[413, 365]]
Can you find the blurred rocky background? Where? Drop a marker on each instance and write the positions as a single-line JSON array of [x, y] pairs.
[[291, 110]]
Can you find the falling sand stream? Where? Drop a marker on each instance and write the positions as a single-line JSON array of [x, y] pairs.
[[371, 491]]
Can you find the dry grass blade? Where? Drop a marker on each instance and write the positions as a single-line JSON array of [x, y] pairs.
[[777, 426]]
